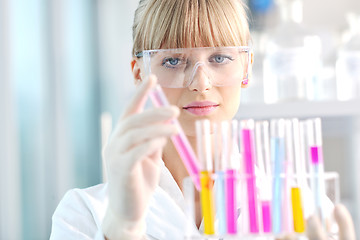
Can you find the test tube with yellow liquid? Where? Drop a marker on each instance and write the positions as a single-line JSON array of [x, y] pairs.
[[294, 169], [298, 214], [203, 137]]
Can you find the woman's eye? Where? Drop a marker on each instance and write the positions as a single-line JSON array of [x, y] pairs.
[[220, 59], [171, 62]]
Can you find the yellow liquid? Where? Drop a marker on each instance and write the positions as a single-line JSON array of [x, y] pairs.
[[207, 202], [299, 224]]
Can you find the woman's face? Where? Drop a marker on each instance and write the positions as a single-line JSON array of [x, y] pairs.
[[201, 100], [190, 81]]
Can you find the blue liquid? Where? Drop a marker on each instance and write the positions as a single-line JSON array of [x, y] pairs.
[[278, 158], [220, 201]]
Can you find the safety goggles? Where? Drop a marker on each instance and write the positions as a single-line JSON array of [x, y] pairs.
[[178, 68]]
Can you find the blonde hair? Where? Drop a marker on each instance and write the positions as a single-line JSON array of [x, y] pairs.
[[189, 23]]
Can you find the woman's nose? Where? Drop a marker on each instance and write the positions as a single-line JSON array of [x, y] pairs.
[[200, 79]]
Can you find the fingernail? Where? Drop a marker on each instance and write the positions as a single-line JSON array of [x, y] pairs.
[[175, 110], [152, 78], [175, 129]]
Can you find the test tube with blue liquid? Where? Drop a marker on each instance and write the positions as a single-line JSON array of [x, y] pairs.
[[227, 163], [220, 143], [277, 133]]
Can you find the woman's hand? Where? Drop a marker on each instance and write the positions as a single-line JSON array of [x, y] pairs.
[[343, 219], [132, 157], [315, 231]]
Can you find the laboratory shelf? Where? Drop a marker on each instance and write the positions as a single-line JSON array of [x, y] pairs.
[[300, 109]]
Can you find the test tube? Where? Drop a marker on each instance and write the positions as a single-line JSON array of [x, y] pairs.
[[247, 140], [230, 132], [263, 162], [220, 166], [314, 137], [288, 173], [277, 132], [179, 140], [203, 138], [299, 151], [299, 175], [226, 166]]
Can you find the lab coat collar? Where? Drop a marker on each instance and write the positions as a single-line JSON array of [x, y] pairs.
[[169, 185], [166, 218]]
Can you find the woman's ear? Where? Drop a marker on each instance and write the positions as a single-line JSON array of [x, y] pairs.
[[136, 70], [245, 81]]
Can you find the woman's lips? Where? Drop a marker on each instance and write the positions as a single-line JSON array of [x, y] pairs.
[[201, 108]]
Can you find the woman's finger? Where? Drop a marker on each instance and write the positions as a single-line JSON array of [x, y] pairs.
[[138, 101], [148, 148], [289, 236], [149, 116], [123, 161], [314, 229], [137, 136], [344, 221]]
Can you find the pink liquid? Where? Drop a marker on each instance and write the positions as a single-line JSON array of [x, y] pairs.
[[318, 181], [231, 208], [266, 216], [180, 141], [251, 183], [187, 155], [316, 154]]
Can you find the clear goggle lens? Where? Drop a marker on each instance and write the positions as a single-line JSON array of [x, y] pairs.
[[178, 68]]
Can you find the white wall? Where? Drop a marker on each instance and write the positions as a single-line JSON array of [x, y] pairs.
[[328, 13], [115, 41], [10, 201]]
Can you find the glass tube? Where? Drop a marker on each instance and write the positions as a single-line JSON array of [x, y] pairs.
[[277, 133], [263, 162], [247, 140], [206, 182], [179, 140], [314, 138], [219, 159]]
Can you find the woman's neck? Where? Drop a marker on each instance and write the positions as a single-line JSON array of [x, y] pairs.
[[177, 169], [173, 162]]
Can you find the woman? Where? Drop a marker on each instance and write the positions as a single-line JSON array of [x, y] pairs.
[[143, 197]]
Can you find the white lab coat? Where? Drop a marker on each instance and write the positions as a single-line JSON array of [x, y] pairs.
[[81, 211]]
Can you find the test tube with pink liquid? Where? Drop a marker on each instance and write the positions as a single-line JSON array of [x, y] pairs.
[[179, 140], [263, 163], [314, 139], [247, 143]]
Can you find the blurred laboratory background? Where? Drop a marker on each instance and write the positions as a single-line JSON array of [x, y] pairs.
[[65, 72]]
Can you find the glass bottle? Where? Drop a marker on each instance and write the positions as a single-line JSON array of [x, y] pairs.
[[292, 60], [348, 62]]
